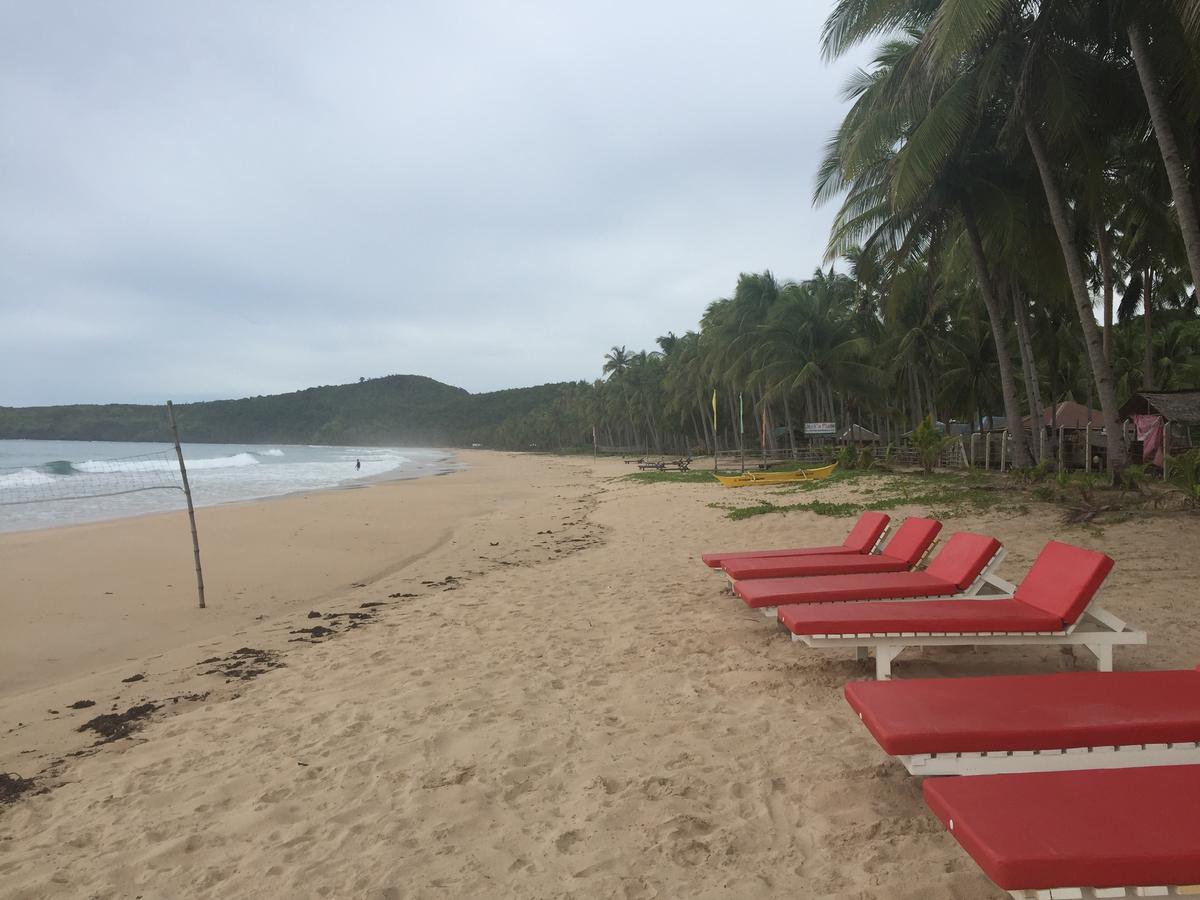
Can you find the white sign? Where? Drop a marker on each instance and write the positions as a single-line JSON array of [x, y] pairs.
[[820, 427]]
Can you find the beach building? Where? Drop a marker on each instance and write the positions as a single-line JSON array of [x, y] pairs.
[[858, 434], [1162, 423]]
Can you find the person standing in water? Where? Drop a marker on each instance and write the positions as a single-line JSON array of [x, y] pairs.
[[357, 465]]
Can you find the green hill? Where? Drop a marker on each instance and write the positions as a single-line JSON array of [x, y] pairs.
[[404, 410]]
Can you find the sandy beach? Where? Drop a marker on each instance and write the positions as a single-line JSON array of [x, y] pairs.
[[530, 687]]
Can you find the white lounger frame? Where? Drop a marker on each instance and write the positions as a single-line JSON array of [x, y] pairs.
[[996, 762], [1182, 890], [985, 578], [1096, 629]]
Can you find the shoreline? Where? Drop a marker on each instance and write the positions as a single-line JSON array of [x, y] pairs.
[[443, 466], [57, 566]]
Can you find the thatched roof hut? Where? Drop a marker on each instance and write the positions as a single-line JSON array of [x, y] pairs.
[[857, 434], [1174, 406]]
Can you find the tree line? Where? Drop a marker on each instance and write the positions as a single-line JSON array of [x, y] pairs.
[[1004, 169]]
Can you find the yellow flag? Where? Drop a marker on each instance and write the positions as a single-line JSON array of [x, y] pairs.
[[714, 410]]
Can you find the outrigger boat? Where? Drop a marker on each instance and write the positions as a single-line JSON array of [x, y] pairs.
[[772, 478]]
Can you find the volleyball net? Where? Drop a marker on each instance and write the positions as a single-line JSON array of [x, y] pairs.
[[62, 480]]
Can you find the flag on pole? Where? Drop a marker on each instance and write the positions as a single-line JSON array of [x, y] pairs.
[[714, 410]]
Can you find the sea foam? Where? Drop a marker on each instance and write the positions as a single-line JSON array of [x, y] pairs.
[[237, 461], [24, 478]]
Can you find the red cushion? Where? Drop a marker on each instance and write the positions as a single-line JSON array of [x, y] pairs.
[[962, 558], [862, 538], [925, 615], [866, 532], [798, 566], [1063, 580], [911, 540], [1029, 712], [761, 592], [1102, 828], [718, 560]]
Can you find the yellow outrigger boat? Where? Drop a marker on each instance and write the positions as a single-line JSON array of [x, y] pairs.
[[768, 479]]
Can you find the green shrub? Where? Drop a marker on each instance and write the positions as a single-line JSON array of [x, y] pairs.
[[1183, 472], [1133, 476], [929, 443]]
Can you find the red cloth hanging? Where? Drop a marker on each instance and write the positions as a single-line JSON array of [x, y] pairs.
[[1150, 432]]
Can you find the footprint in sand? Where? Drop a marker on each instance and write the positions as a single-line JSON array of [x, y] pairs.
[[566, 841]]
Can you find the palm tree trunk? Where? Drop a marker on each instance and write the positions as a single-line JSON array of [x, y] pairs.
[[1008, 388], [655, 436], [914, 397], [733, 419], [933, 416], [787, 419], [1104, 241], [1185, 201], [1101, 370], [1148, 352], [1032, 391]]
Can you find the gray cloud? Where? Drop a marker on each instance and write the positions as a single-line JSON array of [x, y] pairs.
[[229, 199]]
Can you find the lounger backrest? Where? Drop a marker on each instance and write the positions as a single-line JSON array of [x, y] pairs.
[[1063, 580], [866, 532], [912, 539], [962, 558]]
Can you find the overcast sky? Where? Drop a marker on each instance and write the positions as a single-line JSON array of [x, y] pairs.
[[220, 199]]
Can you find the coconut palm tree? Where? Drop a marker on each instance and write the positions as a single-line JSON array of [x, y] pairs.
[[913, 157]]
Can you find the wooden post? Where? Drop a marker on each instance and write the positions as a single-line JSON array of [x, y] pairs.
[[1087, 447], [187, 492], [1062, 460], [987, 451], [742, 433], [1166, 439], [973, 436], [1003, 448]]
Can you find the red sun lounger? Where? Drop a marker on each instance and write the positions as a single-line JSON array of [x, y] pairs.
[[960, 568], [1034, 723], [863, 538], [906, 548], [1051, 607], [1102, 833]]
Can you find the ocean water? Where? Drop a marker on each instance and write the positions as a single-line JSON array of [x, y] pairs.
[[44, 484]]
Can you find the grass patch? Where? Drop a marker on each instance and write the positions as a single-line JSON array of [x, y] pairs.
[[1084, 500], [820, 507], [944, 495], [689, 477]]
